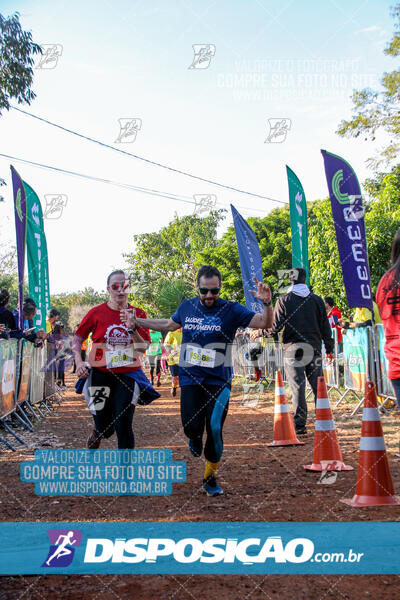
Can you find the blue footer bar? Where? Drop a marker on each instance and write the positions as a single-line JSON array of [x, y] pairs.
[[199, 548]]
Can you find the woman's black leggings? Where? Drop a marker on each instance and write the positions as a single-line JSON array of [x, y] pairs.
[[61, 370], [112, 393], [155, 361]]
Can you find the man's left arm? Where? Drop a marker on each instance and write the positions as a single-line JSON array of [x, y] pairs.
[[262, 320]]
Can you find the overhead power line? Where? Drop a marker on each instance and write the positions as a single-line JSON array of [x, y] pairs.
[[142, 190], [146, 160]]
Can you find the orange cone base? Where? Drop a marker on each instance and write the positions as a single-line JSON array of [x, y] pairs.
[[294, 442], [360, 501], [338, 466]]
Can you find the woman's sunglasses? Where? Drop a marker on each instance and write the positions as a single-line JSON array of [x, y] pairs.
[[120, 286], [204, 291]]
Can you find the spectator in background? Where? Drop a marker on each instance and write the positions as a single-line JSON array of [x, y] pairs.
[[52, 315], [255, 351], [361, 318], [334, 315], [84, 348], [173, 343], [28, 332], [7, 322], [154, 354], [302, 316], [164, 360], [388, 299], [83, 355], [60, 338]]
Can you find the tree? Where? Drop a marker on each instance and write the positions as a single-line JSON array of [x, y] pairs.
[[76, 314], [66, 305], [16, 59], [8, 272], [382, 220], [325, 270], [274, 239], [170, 296], [379, 111], [169, 255]]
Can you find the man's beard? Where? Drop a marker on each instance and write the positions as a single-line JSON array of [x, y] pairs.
[[210, 305]]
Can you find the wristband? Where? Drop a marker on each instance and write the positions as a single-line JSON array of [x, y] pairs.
[[267, 303], [132, 330]]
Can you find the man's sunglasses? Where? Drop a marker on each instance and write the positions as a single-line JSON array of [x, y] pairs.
[[120, 286], [204, 291]]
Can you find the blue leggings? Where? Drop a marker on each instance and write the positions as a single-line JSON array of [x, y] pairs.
[[205, 406]]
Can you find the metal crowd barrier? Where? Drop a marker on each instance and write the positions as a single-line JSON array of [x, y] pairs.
[[8, 375], [27, 384], [362, 359], [385, 388]]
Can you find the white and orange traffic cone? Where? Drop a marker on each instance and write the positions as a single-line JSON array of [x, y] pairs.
[[284, 431], [327, 454], [374, 482]]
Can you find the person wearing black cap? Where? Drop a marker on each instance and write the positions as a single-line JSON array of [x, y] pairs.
[[302, 316]]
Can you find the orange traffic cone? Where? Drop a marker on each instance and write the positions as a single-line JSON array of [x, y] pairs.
[[374, 482], [326, 445], [284, 431]]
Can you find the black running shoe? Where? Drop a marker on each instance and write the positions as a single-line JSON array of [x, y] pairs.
[[173, 392], [301, 431]]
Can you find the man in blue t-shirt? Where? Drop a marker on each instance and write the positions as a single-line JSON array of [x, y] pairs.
[[209, 325]]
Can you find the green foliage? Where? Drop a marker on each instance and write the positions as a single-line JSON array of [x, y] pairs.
[[8, 273], [65, 303], [171, 294], [16, 60], [75, 315], [9, 281], [325, 270], [169, 255], [382, 220], [273, 235], [373, 111]]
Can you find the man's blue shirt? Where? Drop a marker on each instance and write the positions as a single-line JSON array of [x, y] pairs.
[[212, 329]]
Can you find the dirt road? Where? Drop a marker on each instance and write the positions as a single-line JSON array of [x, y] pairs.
[[260, 484]]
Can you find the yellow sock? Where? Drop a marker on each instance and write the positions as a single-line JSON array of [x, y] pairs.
[[211, 469]]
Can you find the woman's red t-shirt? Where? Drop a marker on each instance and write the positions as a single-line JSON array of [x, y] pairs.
[[110, 339], [388, 301]]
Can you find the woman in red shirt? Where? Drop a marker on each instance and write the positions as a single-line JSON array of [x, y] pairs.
[[388, 300], [115, 377]]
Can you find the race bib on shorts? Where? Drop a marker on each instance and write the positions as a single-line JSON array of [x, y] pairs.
[[200, 357], [122, 357]]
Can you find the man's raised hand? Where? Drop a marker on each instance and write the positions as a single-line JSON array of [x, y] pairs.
[[263, 292]]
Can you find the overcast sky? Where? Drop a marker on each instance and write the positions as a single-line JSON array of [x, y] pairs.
[[296, 62]]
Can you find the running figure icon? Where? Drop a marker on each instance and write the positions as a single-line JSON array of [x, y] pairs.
[[62, 549]]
